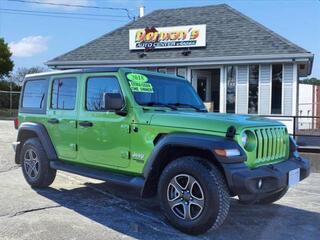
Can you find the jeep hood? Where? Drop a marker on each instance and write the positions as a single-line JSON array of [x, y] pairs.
[[216, 122]]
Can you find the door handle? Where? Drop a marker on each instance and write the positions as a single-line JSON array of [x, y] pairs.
[[53, 121], [86, 124]]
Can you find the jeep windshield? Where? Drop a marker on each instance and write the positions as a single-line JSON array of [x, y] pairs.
[[160, 91]]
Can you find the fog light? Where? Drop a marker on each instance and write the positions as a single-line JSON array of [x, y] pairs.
[[260, 183]]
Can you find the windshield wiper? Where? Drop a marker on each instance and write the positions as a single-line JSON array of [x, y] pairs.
[[158, 104], [187, 105]]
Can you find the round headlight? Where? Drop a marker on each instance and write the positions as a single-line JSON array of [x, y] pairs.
[[244, 138], [248, 140]]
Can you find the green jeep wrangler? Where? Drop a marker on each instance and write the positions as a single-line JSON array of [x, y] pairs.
[[151, 132]]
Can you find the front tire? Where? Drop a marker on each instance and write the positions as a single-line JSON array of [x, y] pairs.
[[193, 195], [35, 164]]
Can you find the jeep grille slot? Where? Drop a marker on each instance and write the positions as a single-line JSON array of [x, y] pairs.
[[272, 144]]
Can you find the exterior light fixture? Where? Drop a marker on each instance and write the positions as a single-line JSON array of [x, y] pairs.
[[186, 52], [141, 55]]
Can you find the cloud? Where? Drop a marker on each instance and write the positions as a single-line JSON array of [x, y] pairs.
[[29, 46]]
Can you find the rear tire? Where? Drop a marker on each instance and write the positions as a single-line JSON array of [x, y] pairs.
[[193, 195], [36, 165]]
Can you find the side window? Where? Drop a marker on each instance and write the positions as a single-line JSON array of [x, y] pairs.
[[231, 89], [253, 88], [34, 94], [63, 95], [276, 96], [96, 88]]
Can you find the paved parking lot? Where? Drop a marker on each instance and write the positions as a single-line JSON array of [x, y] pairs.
[[80, 208]]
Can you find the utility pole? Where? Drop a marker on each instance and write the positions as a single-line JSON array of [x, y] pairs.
[[10, 97]]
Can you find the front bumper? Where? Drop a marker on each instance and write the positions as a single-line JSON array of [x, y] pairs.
[[242, 180]]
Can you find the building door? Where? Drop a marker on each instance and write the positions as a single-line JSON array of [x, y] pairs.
[[202, 88], [207, 84], [201, 81], [215, 89]]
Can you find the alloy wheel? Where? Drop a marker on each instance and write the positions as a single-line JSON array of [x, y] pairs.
[[185, 197], [31, 164]]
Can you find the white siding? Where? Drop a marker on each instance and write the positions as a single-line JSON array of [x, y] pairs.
[[306, 101], [223, 80], [287, 89], [265, 89], [242, 89]]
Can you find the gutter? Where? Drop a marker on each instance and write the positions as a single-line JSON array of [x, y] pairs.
[[301, 57]]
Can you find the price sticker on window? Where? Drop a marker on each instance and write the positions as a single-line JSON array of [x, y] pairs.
[[136, 77], [141, 87], [139, 83]]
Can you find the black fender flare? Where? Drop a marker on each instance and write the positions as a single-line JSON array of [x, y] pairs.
[[40, 131], [200, 142]]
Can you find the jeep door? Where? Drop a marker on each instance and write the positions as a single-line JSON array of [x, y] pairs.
[[103, 135], [62, 116]]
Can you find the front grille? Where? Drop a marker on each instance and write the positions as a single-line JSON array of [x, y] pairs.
[[272, 144]]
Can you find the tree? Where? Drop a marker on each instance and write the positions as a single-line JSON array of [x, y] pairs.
[[18, 75], [312, 81], [7, 86], [6, 64], [7, 99], [12, 82]]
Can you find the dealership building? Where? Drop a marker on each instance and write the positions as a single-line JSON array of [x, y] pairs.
[[236, 64]]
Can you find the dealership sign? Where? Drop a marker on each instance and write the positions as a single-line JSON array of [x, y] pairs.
[[167, 37]]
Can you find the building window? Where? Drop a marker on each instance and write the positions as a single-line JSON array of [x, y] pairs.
[[96, 89], [152, 69], [231, 89], [182, 72], [253, 88], [171, 71], [34, 94], [276, 96], [63, 94]]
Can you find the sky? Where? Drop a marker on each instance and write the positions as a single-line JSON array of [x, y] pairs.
[[37, 39]]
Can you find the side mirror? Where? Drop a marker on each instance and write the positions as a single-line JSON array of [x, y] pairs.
[[114, 102]]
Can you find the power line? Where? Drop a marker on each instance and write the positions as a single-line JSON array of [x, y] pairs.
[[56, 16], [61, 13], [75, 5]]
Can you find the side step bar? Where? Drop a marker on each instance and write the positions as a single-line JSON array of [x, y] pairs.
[[118, 179]]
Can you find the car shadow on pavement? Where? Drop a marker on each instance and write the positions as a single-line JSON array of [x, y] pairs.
[[124, 212]]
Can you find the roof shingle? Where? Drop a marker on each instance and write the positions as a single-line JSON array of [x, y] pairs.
[[229, 33]]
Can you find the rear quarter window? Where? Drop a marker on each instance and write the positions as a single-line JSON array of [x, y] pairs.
[[34, 95]]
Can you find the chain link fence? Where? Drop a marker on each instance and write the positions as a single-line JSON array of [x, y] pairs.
[[9, 104]]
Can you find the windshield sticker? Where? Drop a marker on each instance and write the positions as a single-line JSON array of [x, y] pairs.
[[141, 87], [136, 77]]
